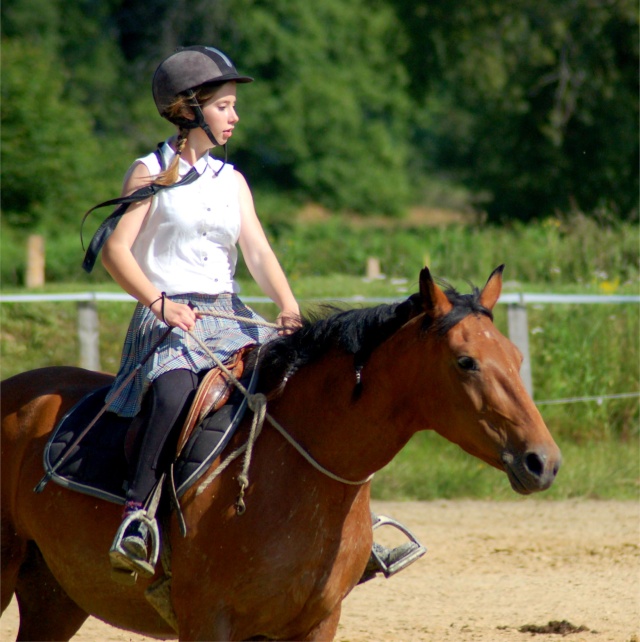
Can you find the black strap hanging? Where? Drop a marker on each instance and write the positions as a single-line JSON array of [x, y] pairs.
[[109, 224]]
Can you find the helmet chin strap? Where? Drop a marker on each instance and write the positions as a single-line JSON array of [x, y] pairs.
[[199, 121]]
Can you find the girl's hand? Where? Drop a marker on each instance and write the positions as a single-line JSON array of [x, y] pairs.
[[177, 315], [289, 321]]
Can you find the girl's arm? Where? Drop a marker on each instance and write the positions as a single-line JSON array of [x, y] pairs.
[[261, 260], [119, 261]]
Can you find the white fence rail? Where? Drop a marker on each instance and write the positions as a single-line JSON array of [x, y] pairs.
[[517, 319]]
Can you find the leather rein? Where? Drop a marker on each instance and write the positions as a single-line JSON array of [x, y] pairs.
[[257, 402]]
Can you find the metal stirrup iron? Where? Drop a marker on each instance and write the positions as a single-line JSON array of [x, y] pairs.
[[413, 554]]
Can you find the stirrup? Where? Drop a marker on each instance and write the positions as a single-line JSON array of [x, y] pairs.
[[126, 567], [408, 558]]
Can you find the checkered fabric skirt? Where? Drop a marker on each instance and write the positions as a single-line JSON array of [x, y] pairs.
[[222, 336]]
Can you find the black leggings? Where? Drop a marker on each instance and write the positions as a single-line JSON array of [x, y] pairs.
[[164, 411]]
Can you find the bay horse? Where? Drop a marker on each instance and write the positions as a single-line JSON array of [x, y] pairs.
[[351, 389]]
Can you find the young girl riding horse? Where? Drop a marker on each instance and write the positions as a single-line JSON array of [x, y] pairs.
[[175, 252]]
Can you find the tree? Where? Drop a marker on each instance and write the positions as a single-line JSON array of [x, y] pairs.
[[327, 114], [48, 147], [329, 108], [534, 102]]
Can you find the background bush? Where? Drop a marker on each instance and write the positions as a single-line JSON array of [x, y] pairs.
[[561, 252]]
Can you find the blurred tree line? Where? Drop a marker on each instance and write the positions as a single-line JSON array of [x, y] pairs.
[[531, 105]]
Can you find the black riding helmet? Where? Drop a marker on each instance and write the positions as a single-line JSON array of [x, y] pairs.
[[182, 72]]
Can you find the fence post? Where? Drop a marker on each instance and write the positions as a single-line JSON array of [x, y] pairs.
[[35, 261], [519, 334], [88, 335], [373, 268]]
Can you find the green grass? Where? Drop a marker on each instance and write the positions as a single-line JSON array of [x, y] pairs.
[[587, 350]]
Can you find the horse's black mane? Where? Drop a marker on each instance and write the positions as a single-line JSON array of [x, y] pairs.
[[357, 331]]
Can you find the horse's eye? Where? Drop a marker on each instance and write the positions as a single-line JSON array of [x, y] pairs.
[[467, 363]]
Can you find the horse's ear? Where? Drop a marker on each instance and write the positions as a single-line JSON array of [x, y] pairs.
[[434, 300], [491, 291]]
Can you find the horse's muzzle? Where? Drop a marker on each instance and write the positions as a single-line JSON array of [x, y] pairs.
[[532, 471]]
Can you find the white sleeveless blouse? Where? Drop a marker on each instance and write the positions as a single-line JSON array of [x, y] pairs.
[[187, 242]]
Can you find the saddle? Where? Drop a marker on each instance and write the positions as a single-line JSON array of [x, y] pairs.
[[98, 464], [213, 393]]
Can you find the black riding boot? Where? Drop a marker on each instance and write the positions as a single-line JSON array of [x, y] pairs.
[[165, 407]]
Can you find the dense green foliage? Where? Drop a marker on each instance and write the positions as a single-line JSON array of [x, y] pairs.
[[567, 252], [571, 250], [535, 103], [533, 106], [329, 123]]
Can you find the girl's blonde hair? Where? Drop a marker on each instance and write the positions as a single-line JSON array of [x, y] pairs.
[[179, 108]]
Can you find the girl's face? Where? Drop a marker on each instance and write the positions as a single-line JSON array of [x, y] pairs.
[[220, 113]]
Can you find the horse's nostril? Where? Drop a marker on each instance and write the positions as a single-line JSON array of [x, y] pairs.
[[534, 464]]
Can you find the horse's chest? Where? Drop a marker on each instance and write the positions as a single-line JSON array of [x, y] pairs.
[[282, 585]]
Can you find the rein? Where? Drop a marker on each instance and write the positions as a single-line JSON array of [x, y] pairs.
[[258, 404]]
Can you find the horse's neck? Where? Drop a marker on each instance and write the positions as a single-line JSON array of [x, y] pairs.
[[352, 436]]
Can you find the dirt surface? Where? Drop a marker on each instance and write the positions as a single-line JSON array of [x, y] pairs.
[[558, 570]]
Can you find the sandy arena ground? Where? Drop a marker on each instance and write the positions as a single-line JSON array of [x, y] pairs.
[[491, 568]]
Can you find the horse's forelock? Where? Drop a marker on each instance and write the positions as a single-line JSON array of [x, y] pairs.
[[463, 306]]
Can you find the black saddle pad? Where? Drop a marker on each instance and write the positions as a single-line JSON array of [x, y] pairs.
[[97, 465]]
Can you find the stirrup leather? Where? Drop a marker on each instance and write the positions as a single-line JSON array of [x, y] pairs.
[[144, 567], [405, 560]]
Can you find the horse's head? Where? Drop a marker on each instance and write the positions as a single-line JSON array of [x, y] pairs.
[[434, 361], [482, 404]]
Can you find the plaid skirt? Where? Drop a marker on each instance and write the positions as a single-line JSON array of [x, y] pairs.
[[222, 336]]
